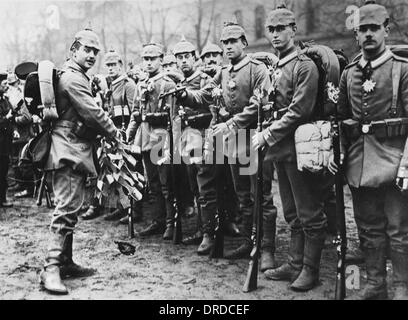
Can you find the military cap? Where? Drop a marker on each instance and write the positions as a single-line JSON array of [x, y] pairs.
[[11, 78], [281, 16], [152, 50], [210, 48], [183, 47], [371, 13], [232, 30], [87, 38], [23, 69], [112, 57], [168, 59]]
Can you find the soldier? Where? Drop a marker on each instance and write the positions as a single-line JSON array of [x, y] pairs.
[[169, 63], [374, 94], [212, 58], [146, 135], [226, 198], [6, 136], [199, 174], [295, 81], [72, 157], [23, 132], [120, 97], [238, 82]]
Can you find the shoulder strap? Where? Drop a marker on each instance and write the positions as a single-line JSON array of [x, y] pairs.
[[396, 75], [125, 102]]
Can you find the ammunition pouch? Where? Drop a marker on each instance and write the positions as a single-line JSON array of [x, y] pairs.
[[271, 114], [388, 128], [120, 111], [84, 132], [199, 121], [155, 119]]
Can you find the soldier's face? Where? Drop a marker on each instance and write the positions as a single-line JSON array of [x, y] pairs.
[[85, 56], [171, 67], [281, 37], [151, 64], [114, 69], [371, 37], [212, 59], [233, 48], [185, 61], [3, 86]]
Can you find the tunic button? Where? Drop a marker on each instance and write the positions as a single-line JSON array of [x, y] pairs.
[[366, 113], [365, 104]]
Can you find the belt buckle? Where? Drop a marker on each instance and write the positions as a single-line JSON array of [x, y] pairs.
[[365, 128]]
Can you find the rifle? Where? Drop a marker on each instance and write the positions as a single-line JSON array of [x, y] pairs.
[[341, 238], [217, 250], [44, 188], [256, 237], [178, 233]]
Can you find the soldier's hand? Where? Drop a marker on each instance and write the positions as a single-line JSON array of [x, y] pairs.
[[258, 140], [332, 166], [220, 128]]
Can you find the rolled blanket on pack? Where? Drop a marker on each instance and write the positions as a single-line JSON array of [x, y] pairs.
[[313, 146]]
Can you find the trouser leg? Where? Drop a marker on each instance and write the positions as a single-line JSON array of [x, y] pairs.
[[69, 190], [157, 199]]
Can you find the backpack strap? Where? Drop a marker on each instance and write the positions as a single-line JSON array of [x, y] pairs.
[[396, 75]]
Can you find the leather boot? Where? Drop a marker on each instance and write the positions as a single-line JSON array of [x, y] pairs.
[[91, 213], [267, 260], [51, 281], [400, 275], [309, 276], [206, 245], [68, 268], [268, 244], [290, 270], [244, 250], [154, 228], [168, 233], [136, 214], [376, 287], [196, 238]]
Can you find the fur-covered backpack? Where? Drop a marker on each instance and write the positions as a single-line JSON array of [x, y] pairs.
[[39, 95], [313, 140], [40, 86]]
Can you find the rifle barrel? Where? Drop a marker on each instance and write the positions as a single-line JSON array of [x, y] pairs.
[[341, 239], [251, 282]]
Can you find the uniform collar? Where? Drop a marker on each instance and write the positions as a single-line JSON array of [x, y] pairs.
[[156, 77], [193, 76], [118, 79], [377, 62], [75, 66], [287, 59], [240, 64]]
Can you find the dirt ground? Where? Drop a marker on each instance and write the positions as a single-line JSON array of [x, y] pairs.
[[158, 270]]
